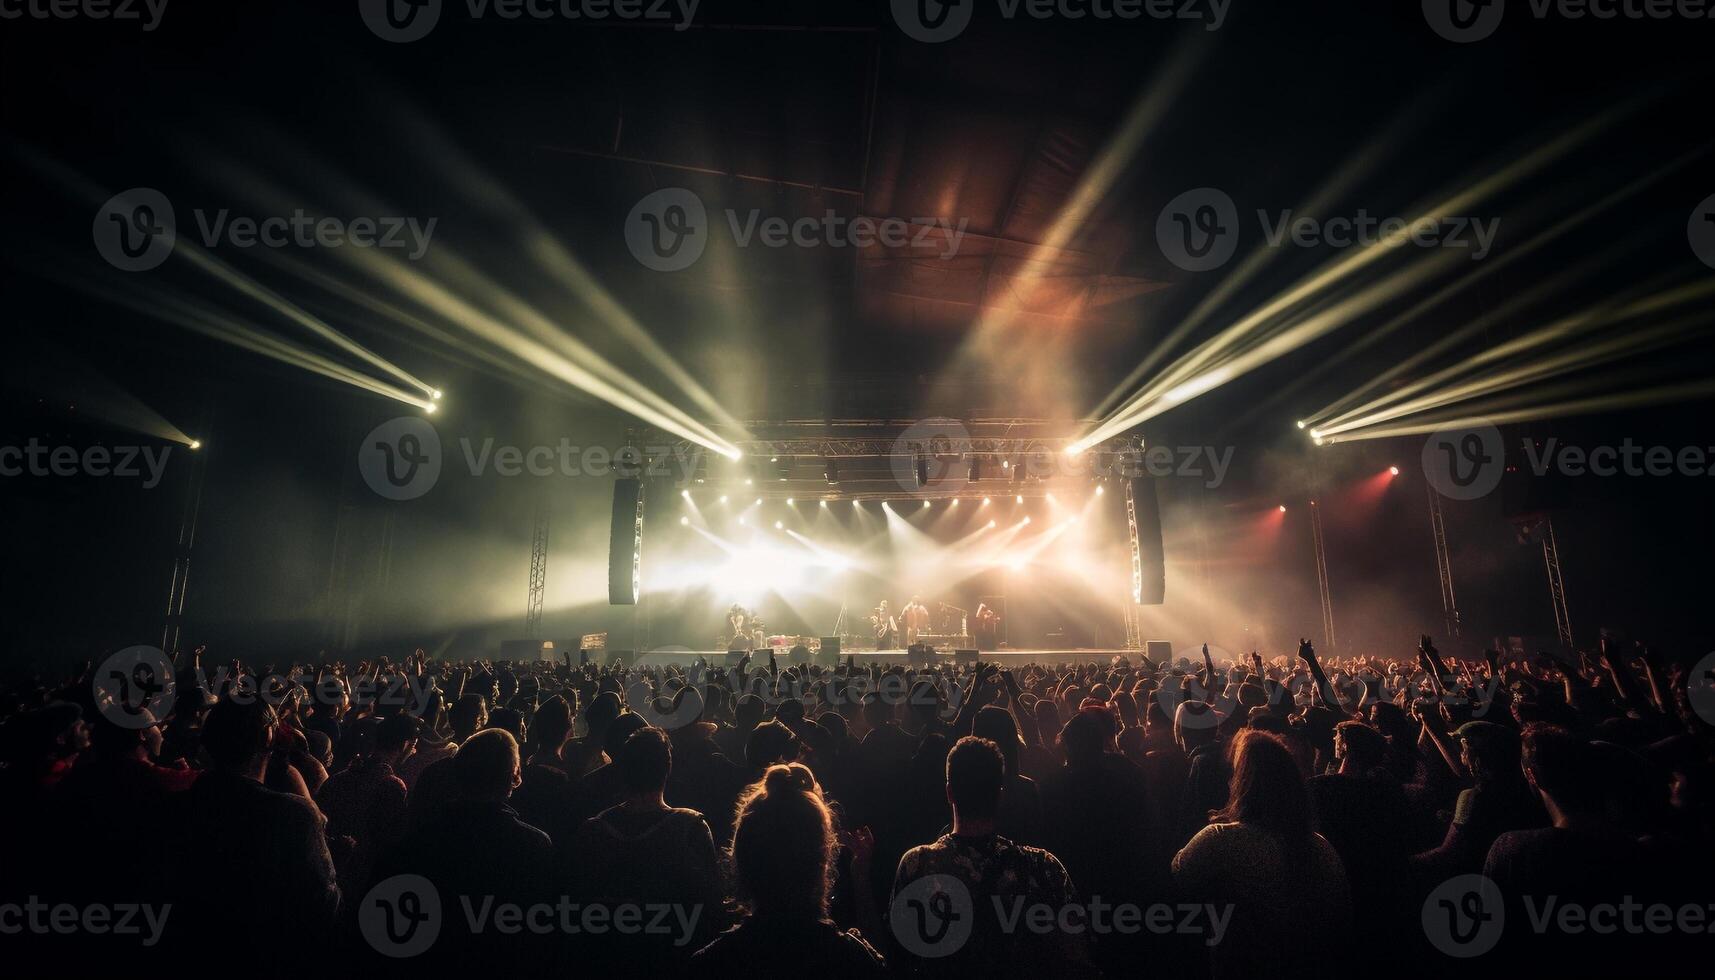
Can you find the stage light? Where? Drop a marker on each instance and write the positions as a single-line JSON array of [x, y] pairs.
[[1099, 489], [985, 501], [1393, 470], [685, 493], [1283, 508], [925, 505], [1315, 434], [778, 525], [955, 502], [748, 481], [1301, 423], [684, 520], [196, 443], [991, 523], [774, 459], [759, 501], [788, 501], [824, 505], [1018, 499], [1025, 521], [436, 394], [1005, 464], [429, 408], [723, 498]]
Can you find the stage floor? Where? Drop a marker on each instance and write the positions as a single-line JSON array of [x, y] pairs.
[[1006, 658]]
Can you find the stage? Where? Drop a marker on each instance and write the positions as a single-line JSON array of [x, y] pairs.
[[1005, 658]]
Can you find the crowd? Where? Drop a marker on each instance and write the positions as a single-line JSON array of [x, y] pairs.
[[1300, 816]]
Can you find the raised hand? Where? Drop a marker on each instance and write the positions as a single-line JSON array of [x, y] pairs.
[[1306, 651]]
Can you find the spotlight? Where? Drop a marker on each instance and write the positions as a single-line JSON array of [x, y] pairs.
[[985, 501], [1099, 489], [1301, 423], [1393, 471], [435, 394], [788, 501], [684, 520], [196, 443], [1315, 434], [955, 502], [824, 505], [1282, 508], [748, 481], [723, 498], [685, 493], [991, 523], [778, 525], [759, 501], [429, 408], [1018, 499], [776, 459], [925, 505], [1026, 520]]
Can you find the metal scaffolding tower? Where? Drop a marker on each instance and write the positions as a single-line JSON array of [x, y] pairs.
[[1322, 575], [1443, 564], [538, 571], [173, 623], [1556, 587]]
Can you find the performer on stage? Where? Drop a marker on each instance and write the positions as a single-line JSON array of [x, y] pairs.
[[915, 617], [987, 630], [739, 619], [886, 627]]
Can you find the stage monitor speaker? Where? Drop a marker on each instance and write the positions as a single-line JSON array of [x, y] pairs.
[[1149, 558], [919, 654], [830, 650], [625, 544], [964, 658], [734, 658], [1158, 651], [619, 658]]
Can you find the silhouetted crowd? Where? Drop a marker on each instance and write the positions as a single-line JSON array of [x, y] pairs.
[[1301, 816]]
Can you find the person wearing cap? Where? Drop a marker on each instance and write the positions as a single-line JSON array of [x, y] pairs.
[[1498, 800]]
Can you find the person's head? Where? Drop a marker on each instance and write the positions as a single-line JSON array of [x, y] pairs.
[[508, 720], [1089, 734], [237, 734], [395, 736], [486, 766], [997, 725], [644, 762], [1194, 724], [1562, 767], [783, 844], [602, 711], [747, 714], [553, 724], [1359, 747], [467, 716], [1267, 790], [877, 711], [621, 728], [1490, 752], [976, 771], [770, 743]]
